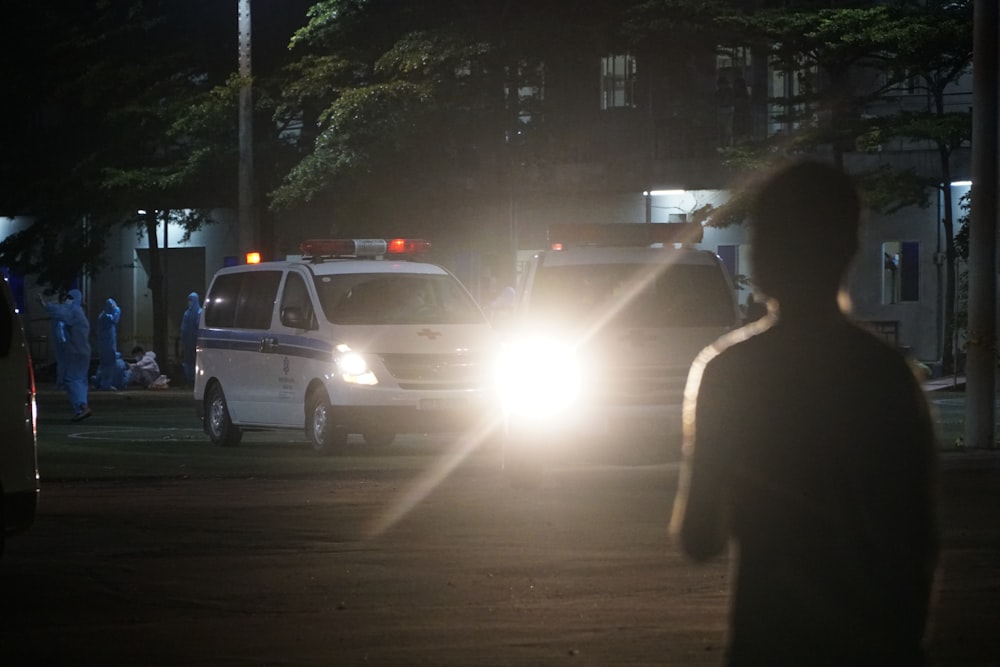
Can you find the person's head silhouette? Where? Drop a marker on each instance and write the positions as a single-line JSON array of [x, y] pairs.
[[805, 233]]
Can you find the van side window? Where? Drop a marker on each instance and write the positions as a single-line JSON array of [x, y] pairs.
[[255, 305], [220, 305], [296, 306]]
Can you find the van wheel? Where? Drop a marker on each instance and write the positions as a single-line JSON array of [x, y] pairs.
[[379, 437], [218, 425], [325, 436]]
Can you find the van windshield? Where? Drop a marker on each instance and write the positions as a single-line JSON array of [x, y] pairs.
[[396, 298], [633, 295]]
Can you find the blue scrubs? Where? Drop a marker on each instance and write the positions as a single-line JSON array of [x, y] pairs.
[[77, 348], [107, 345], [59, 348], [189, 336]]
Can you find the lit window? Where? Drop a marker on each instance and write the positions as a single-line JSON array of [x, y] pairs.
[[524, 89], [732, 95], [732, 60], [786, 88], [618, 82]]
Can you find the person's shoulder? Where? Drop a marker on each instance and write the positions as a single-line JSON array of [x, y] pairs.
[[746, 339], [866, 340], [878, 358], [738, 348]]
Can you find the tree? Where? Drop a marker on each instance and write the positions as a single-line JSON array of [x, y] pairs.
[[846, 64], [429, 100], [924, 49], [932, 50]]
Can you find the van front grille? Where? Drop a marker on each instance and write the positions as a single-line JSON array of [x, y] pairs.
[[641, 386], [438, 371]]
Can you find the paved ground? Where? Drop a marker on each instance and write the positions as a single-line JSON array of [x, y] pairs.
[[276, 570]]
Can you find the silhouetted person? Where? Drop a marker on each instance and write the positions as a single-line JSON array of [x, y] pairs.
[[809, 446]]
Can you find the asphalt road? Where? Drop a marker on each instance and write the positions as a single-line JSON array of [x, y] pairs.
[[153, 547]]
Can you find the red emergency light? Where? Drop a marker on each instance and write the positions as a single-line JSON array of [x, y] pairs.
[[408, 246], [563, 235]]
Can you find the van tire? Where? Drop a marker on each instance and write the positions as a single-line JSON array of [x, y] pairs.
[[324, 436], [218, 425]]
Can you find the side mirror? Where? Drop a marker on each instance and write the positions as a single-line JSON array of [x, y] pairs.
[[296, 318]]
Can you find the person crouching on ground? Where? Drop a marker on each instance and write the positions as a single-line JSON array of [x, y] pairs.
[[144, 371]]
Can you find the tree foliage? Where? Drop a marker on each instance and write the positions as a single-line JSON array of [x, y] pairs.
[[423, 98]]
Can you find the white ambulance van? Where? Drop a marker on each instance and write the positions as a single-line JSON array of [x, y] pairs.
[[605, 327], [356, 337]]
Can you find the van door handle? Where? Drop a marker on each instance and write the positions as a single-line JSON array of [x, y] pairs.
[[268, 344]]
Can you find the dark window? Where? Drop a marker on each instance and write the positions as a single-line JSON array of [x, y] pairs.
[[730, 256], [909, 275], [220, 304], [900, 271], [257, 295], [633, 295], [242, 300]]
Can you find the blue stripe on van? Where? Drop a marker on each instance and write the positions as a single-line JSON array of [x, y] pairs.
[[249, 341]]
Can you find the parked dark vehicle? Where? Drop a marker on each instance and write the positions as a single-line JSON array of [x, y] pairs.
[[18, 458]]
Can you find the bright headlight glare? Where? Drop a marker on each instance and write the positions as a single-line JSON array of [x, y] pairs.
[[539, 377], [353, 368]]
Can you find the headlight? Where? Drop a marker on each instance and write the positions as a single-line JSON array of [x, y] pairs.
[[352, 367], [539, 377]]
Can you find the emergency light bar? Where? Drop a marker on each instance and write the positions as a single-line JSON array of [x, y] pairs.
[[319, 248], [563, 235]]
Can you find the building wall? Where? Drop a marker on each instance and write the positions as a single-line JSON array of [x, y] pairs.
[[190, 266]]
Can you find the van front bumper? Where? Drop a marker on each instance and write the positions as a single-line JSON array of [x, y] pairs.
[[426, 418]]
